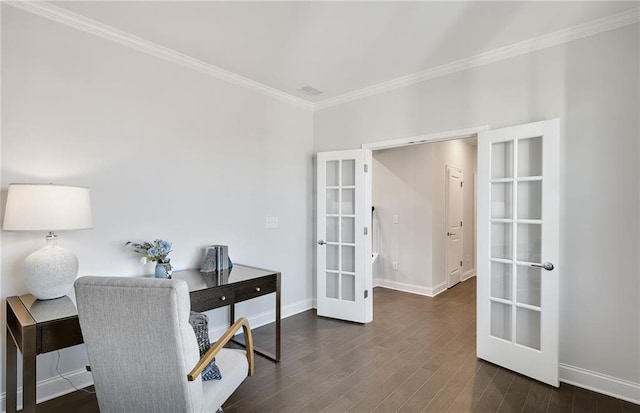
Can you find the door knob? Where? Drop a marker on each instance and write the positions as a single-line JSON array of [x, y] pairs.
[[321, 242], [547, 266]]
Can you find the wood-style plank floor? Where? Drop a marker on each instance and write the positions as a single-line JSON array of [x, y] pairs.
[[417, 356]]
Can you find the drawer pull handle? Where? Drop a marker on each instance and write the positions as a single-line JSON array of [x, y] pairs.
[[223, 298], [257, 289]]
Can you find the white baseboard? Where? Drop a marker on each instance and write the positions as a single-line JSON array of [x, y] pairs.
[[53, 387], [601, 383], [468, 274], [56, 386], [266, 317], [410, 288]]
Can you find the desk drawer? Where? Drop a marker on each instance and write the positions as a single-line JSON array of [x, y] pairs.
[[62, 334], [211, 298], [255, 288]]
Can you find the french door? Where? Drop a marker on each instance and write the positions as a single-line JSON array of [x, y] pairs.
[[344, 279], [518, 267]]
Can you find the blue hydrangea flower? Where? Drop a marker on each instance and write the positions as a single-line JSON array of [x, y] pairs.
[[163, 246], [153, 251]]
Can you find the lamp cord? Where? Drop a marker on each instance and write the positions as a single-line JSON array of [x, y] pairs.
[[70, 382]]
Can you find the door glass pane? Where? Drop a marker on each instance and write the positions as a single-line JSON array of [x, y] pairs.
[[528, 328], [529, 285], [501, 320], [347, 201], [348, 258], [530, 200], [332, 201], [332, 229], [529, 242], [348, 230], [348, 287], [501, 280], [502, 160], [530, 157], [501, 200], [348, 172], [332, 285], [333, 168], [501, 240], [332, 257]]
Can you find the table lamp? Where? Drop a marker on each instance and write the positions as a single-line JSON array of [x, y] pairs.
[[50, 271]]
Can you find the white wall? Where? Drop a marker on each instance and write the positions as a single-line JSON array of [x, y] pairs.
[[167, 152], [410, 182], [592, 86]]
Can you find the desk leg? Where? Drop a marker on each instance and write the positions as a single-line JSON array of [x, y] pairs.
[[11, 375], [232, 314], [29, 370], [278, 319]]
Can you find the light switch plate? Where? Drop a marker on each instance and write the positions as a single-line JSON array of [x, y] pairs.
[[271, 222]]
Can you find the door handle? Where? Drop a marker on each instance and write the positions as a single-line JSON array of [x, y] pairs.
[[547, 266], [321, 242]]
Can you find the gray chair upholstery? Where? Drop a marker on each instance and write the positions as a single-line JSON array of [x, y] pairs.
[[141, 347]]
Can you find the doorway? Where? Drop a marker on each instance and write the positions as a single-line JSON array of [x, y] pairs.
[[413, 232]]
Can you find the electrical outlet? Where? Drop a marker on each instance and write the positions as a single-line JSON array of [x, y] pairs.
[[395, 266], [271, 222]]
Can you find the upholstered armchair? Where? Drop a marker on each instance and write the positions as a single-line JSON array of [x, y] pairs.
[[143, 352]]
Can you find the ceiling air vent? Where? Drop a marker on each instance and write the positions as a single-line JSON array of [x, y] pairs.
[[310, 91]]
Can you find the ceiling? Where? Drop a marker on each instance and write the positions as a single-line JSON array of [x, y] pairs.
[[337, 47]]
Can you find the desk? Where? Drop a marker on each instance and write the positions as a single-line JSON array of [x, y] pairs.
[[35, 327]]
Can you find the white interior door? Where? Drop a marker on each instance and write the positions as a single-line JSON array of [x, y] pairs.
[[344, 267], [518, 268], [454, 225]]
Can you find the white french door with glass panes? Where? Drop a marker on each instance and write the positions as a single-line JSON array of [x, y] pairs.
[[344, 278], [518, 231]]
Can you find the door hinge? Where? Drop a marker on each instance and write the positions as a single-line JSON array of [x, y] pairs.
[[460, 224], [366, 168], [366, 231], [461, 263], [366, 293], [460, 184]]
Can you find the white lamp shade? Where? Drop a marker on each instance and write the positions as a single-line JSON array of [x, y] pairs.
[[47, 207]]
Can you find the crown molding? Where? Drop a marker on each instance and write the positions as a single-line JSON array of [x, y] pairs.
[[85, 24], [538, 43]]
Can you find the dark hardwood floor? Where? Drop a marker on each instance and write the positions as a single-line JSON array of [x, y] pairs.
[[417, 356]]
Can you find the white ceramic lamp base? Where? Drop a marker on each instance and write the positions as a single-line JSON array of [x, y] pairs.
[[50, 272]]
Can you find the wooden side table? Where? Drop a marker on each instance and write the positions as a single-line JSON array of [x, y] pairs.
[[35, 327]]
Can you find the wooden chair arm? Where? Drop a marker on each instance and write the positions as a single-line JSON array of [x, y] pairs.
[[224, 339]]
